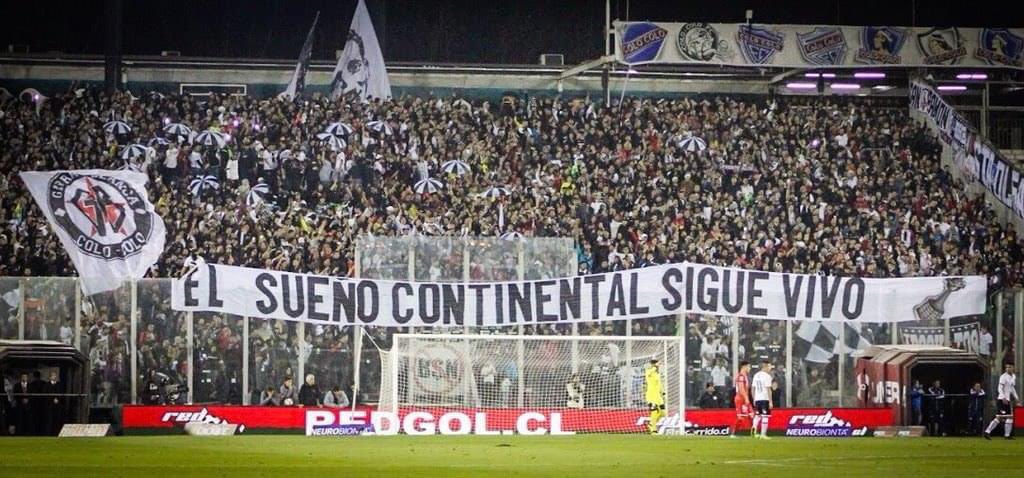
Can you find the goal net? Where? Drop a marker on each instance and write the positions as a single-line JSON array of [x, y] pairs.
[[530, 384]]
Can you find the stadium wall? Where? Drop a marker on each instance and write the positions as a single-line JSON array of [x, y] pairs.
[[51, 75]]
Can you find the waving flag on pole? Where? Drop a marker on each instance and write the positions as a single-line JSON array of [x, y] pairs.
[[104, 220], [360, 71], [298, 82]]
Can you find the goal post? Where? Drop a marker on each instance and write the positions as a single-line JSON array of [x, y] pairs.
[[588, 384]]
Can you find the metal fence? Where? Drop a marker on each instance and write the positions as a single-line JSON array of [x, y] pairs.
[[132, 332]]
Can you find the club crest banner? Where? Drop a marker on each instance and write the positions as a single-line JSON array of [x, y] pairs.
[[104, 221], [657, 291], [803, 46]]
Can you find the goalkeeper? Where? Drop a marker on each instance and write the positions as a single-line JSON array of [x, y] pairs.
[[654, 395]]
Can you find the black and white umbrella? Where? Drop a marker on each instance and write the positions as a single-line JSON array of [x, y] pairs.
[[211, 138], [380, 127], [133, 151], [496, 192], [158, 141], [117, 127], [336, 143], [202, 183], [178, 129], [428, 186], [131, 165], [338, 129], [693, 144], [455, 166], [511, 236]]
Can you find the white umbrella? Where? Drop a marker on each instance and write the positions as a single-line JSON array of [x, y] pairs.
[[197, 185], [211, 138], [133, 151], [693, 144], [496, 192], [455, 166], [511, 236], [336, 143], [178, 129], [380, 127], [338, 129], [158, 141], [428, 186], [256, 197], [117, 127]]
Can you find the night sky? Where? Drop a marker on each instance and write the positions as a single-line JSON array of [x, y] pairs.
[[478, 31]]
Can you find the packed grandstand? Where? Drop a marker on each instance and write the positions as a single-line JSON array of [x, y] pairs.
[[821, 185]]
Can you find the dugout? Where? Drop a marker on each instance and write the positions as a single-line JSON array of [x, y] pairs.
[[886, 374], [72, 367]]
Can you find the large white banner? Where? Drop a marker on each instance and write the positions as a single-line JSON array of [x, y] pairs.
[[816, 46], [657, 291], [975, 157], [360, 71], [104, 220]]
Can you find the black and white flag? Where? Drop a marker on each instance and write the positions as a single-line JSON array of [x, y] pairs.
[[823, 340], [298, 82], [360, 71], [104, 220]]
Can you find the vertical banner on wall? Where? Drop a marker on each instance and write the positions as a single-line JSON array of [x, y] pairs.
[[973, 155]]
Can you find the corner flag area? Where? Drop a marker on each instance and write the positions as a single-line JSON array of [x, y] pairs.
[[586, 455]]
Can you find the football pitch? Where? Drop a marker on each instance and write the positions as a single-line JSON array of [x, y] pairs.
[[582, 455]]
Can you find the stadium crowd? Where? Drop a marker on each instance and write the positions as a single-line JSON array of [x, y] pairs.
[[838, 186]]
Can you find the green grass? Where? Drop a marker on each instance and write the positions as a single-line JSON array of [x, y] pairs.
[[584, 455]]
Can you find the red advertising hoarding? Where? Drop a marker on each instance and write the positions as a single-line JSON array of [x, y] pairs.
[[293, 419]]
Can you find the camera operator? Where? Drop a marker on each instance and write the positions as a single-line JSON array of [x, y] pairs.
[[152, 393]]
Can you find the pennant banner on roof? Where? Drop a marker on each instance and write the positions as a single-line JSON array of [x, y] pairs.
[[816, 46]]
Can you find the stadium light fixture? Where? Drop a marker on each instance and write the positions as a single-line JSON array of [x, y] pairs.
[[844, 86], [869, 74], [952, 88], [801, 86], [972, 76], [882, 87], [819, 75]]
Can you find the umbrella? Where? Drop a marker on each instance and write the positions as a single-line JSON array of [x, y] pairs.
[[335, 142], [338, 129], [197, 185], [380, 127], [158, 141], [455, 166], [211, 138], [178, 129], [256, 195], [692, 144], [130, 165], [117, 127], [428, 186], [511, 236], [496, 192], [133, 151]]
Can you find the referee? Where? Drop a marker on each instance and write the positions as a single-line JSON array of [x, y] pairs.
[[1005, 401]]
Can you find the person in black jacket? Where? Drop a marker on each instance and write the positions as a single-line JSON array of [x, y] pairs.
[[22, 406], [309, 394], [976, 410], [710, 398]]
